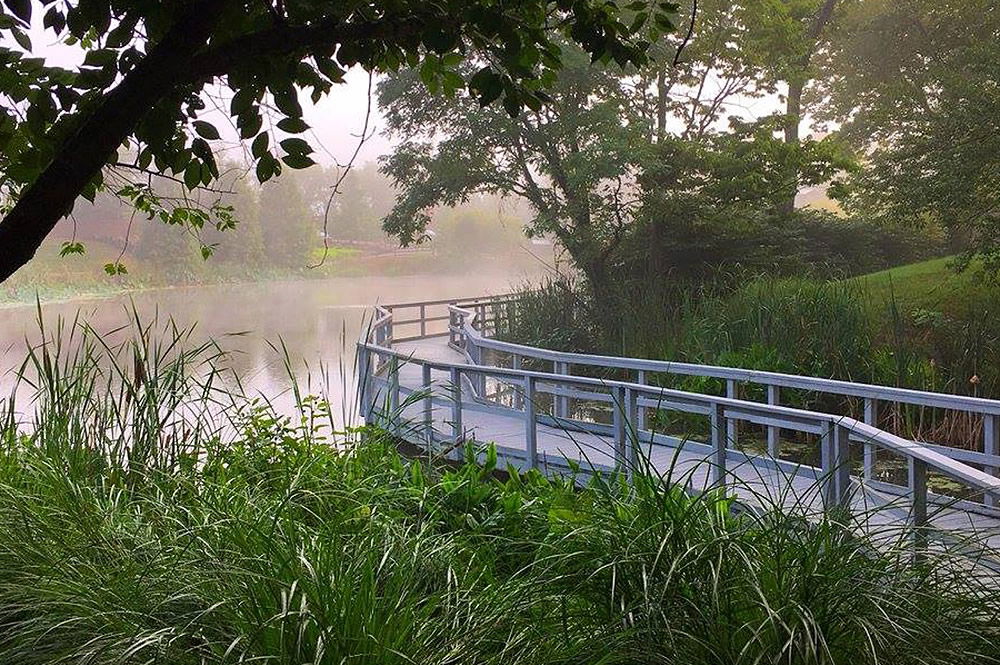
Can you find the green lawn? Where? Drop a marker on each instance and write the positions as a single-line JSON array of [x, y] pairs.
[[932, 285]]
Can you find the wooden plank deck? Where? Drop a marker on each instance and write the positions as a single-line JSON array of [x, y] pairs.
[[752, 478]]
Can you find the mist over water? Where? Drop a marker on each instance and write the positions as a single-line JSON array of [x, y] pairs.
[[317, 321]]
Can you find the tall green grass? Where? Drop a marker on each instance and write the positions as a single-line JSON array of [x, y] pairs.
[[150, 513]]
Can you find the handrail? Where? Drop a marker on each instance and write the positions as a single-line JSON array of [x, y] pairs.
[[816, 384], [835, 430]]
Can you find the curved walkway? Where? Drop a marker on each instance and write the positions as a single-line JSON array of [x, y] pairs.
[[430, 371]]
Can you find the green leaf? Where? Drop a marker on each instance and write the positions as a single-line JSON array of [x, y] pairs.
[[292, 125], [298, 161], [288, 103], [22, 39], [296, 146], [265, 168], [487, 84], [71, 248], [21, 9], [206, 130], [249, 124], [242, 101], [192, 174], [259, 146]]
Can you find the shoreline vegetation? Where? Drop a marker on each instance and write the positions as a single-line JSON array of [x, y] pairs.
[[168, 519], [54, 279]]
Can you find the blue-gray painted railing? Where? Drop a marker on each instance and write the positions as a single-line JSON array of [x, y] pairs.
[[468, 320]]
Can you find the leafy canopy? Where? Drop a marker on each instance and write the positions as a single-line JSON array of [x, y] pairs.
[[153, 60]]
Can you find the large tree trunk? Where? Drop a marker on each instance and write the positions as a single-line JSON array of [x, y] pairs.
[[51, 196], [793, 117], [793, 104]]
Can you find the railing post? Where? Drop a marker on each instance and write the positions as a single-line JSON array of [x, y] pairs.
[[871, 418], [518, 401], [991, 446], [719, 427], [393, 391], [631, 442], [732, 426], [640, 418], [918, 496], [457, 432], [619, 421], [561, 402], [364, 383], [836, 467], [428, 406], [773, 431], [827, 484], [423, 320], [530, 424], [842, 464]]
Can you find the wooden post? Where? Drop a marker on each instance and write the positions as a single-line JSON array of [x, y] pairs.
[[827, 481], [458, 434], [871, 418], [991, 446], [364, 384], [842, 464], [640, 419], [530, 424], [428, 406], [561, 402], [732, 426], [618, 418], [918, 496], [836, 465], [719, 427], [773, 431], [631, 442], [393, 392], [518, 400]]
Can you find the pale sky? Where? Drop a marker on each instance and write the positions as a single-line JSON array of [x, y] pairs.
[[337, 120]]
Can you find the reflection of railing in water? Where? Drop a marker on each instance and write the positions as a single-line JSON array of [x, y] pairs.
[[543, 398]]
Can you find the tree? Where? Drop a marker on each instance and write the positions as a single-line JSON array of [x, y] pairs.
[[147, 62], [810, 19], [581, 160], [914, 86], [575, 159]]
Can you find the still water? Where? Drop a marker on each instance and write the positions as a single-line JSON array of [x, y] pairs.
[[317, 321]]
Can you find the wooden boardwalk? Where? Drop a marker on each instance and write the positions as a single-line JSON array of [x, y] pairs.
[[433, 417]]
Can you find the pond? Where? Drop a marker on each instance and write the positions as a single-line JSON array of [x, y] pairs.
[[317, 321]]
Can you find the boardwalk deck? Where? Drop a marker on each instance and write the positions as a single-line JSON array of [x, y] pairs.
[[751, 479]]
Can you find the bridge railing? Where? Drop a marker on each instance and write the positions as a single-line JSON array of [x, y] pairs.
[[380, 366], [471, 326]]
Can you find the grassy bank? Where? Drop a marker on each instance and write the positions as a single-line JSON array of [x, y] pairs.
[[169, 520]]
